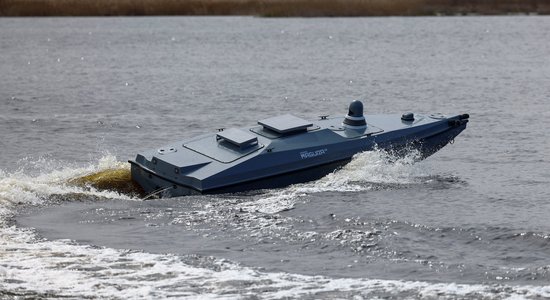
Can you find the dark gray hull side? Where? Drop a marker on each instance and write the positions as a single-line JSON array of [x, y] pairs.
[[167, 188]]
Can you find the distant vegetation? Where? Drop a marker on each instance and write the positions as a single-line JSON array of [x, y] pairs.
[[272, 8]]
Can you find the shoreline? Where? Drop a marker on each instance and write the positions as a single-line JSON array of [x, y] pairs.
[[271, 8]]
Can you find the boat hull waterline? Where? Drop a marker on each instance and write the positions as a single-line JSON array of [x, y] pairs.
[[285, 150]]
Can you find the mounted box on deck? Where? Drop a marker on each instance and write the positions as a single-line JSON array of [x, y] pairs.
[[285, 124], [237, 137]]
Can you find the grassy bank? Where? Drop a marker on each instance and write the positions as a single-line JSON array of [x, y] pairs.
[[275, 8]]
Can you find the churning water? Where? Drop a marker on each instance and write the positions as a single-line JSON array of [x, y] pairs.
[[80, 96]]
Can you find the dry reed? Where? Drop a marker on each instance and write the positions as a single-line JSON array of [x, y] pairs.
[[275, 8]]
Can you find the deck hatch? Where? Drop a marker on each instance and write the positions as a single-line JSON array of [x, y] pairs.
[[221, 149], [285, 124], [237, 137]]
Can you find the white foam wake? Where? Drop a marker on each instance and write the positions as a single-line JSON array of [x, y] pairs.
[[378, 167], [44, 181], [63, 269], [366, 171]]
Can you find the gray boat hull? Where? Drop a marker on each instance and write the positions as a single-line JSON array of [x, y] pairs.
[[260, 158]]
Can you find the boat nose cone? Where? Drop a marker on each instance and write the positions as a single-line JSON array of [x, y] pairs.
[[459, 120]]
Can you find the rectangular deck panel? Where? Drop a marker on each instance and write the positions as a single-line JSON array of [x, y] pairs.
[[285, 124], [237, 137]]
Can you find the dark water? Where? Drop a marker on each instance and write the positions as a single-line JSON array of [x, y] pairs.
[[83, 95]]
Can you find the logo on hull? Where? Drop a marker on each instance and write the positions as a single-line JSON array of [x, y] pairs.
[[311, 154]]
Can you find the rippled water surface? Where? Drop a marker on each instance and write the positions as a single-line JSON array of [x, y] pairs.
[[80, 96]]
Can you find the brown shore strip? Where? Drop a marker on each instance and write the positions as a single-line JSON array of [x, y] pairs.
[[271, 8]]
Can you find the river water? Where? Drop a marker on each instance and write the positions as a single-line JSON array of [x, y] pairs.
[[80, 96]]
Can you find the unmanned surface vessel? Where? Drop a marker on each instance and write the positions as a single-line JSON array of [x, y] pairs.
[[285, 149]]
